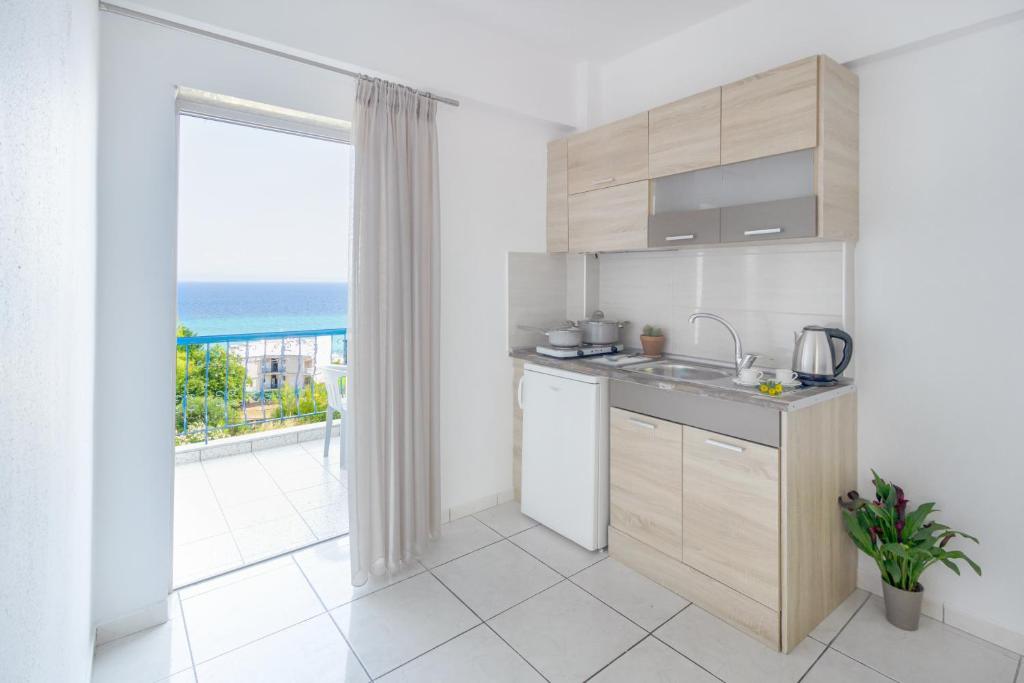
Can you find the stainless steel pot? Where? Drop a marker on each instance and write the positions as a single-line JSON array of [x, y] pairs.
[[562, 337], [597, 330]]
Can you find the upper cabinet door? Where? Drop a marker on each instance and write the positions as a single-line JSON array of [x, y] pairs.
[[612, 219], [771, 113], [686, 135], [613, 154], [558, 196]]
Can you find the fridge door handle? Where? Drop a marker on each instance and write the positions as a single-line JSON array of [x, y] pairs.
[[519, 392]]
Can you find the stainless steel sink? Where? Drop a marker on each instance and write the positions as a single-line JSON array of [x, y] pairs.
[[679, 372]]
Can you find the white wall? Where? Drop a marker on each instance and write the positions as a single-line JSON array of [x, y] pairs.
[[938, 291], [765, 33], [406, 40], [47, 273], [492, 166]]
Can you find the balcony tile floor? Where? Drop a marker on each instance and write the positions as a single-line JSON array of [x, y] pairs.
[[239, 509], [489, 608]]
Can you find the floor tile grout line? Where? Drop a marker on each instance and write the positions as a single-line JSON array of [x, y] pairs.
[[329, 616], [845, 623], [474, 516], [220, 507], [561, 579], [188, 638], [830, 645], [612, 608], [484, 622], [520, 654], [255, 563], [480, 622], [285, 493], [684, 656], [459, 557], [566, 576], [843, 654], [617, 658], [263, 637], [815, 662]]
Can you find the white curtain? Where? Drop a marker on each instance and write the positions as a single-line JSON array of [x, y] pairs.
[[393, 464]]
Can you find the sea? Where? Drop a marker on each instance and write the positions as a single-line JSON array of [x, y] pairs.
[[214, 308]]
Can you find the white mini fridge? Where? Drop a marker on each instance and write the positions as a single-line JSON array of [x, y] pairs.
[[565, 453]]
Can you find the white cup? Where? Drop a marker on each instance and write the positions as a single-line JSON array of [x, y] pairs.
[[785, 376], [750, 375]]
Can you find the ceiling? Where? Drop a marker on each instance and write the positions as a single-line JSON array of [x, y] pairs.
[[583, 30]]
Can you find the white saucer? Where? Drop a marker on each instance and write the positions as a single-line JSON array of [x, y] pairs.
[[755, 383]]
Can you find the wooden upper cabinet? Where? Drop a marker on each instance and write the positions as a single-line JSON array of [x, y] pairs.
[[771, 113], [646, 477], [613, 154], [731, 512], [612, 219], [686, 135], [558, 196]]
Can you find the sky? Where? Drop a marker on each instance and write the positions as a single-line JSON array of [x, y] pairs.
[[261, 206]]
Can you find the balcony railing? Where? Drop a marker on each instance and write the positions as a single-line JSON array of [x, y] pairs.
[[225, 385]]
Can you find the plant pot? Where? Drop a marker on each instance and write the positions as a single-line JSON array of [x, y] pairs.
[[653, 346], [903, 608]]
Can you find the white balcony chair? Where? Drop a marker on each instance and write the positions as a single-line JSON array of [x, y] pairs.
[[337, 399]]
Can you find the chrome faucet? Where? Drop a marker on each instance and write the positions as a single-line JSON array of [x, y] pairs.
[[742, 360]]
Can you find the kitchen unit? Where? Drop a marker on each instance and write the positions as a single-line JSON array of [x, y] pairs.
[[610, 188], [722, 494], [727, 496]]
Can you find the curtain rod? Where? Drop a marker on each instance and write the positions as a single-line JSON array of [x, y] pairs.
[[170, 23]]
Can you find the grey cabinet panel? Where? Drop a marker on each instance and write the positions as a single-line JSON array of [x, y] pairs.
[[682, 228], [780, 219], [740, 420]]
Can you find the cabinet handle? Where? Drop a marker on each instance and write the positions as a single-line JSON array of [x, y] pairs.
[[722, 444], [763, 231], [676, 238], [602, 181], [519, 392], [641, 423]]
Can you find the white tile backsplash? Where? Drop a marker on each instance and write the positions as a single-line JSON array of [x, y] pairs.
[[767, 292], [536, 295]]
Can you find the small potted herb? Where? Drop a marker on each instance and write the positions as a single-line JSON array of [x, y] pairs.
[[653, 341], [902, 544]]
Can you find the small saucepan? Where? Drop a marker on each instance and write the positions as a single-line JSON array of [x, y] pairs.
[[597, 330], [562, 336]]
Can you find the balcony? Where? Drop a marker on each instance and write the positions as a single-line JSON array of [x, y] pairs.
[[251, 477]]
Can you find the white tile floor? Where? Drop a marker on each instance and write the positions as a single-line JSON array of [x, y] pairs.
[[505, 600], [233, 511]]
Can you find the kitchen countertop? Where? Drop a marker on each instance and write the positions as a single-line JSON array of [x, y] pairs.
[[788, 400]]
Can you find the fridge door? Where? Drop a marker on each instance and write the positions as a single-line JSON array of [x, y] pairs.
[[564, 477]]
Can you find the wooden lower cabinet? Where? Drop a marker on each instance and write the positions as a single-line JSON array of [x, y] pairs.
[[762, 542], [731, 512], [647, 480]]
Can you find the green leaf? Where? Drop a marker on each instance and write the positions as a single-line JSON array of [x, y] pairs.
[[897, 550], [951, 565]]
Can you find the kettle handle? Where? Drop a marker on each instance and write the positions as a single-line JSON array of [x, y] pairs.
[[836, 333]]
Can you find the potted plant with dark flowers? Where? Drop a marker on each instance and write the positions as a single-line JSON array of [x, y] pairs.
[[903, 544]]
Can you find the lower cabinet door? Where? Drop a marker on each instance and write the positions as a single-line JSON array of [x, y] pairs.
[[647, 480], [731, 512]]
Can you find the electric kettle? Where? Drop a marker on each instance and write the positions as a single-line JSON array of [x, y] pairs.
[[814, 357]]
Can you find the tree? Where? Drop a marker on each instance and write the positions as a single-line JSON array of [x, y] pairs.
[[202, 395]]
